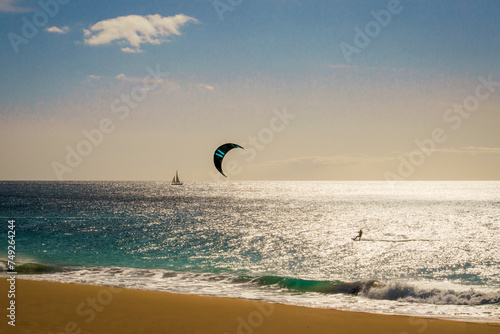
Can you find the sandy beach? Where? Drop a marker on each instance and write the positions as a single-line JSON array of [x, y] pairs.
[[48, 307]]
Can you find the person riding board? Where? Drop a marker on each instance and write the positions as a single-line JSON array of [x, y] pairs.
[[360, 233]]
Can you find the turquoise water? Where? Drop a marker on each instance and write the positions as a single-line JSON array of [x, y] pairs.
[[424, 245]]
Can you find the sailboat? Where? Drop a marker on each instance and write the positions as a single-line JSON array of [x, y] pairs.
[[176, 181]]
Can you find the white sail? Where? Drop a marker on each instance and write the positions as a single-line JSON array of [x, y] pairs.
[[175, 180]]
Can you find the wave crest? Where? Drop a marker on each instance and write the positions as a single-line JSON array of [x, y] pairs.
[[373, 289], [327, 287], [31, 268], [402, 291]]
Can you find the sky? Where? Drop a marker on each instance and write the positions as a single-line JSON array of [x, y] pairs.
[[312, 90]]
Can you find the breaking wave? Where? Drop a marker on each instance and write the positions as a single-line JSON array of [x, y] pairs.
[[165, 280], [402, 291]]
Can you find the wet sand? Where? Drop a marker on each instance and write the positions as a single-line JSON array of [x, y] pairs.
[[48, 307]]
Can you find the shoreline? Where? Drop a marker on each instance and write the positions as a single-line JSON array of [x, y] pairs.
[[333, 304], [45, 307]]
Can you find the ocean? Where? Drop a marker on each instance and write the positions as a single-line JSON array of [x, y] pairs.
[[428, 248]]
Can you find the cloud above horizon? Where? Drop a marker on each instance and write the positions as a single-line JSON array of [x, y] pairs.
[[472, 150], [330, 161], [205, 86], [135, 30], [345, 160], [342, 66], [57, 30], [9, 6], [123, 77], [130, 50]]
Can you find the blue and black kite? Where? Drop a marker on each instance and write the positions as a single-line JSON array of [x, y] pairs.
[[220, 153]]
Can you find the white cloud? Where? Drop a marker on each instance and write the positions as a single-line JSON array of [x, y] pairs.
[[130, 50], [135, 30], [470, 150], [93, 77], [342, 66], [368, 68], [331, 161], [208, 87], [57, 30], [9, 6], [123, 77]]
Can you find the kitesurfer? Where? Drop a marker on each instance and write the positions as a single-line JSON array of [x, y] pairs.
[[360, 233]]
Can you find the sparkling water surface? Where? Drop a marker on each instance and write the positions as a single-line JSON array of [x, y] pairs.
[[434, 246]]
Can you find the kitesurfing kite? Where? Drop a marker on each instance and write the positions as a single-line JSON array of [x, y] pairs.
[[220, 153]]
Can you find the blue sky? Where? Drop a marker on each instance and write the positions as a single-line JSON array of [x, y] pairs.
[[283, 38], [273, 53]]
